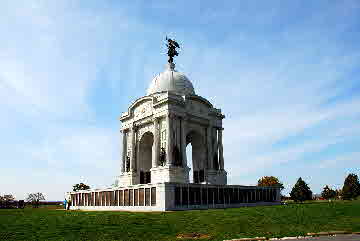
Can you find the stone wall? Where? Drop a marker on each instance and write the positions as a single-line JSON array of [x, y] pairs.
[[174, 196]]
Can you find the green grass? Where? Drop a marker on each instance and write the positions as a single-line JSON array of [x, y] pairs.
[[220, 224]]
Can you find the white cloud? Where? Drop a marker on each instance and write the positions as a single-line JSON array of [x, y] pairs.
[[351, 159]]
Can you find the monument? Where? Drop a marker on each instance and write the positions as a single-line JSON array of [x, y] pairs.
[[154, 175]]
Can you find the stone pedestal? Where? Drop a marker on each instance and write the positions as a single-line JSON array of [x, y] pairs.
[[218, 177], [127, 178], [167, 173]]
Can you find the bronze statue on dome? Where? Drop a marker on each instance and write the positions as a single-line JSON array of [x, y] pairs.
[[172, 45]]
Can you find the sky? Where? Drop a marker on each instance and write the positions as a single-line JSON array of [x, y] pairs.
[[286, 74]]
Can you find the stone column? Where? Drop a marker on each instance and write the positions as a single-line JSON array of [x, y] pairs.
[[137, 155], [183, 142], [278, 195], [181, 197], [216, 147], [124, 147], [156, 148], [221, 154], [209, 147], [133, 149], [169, 140]]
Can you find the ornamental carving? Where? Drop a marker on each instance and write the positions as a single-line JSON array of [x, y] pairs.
[[145, 121], [143, 110]]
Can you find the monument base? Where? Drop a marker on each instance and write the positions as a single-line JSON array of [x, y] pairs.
[[170, 174], [127, 178], [218, 177]]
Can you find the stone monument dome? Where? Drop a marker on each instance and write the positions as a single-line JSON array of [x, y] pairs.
[[172, 81]]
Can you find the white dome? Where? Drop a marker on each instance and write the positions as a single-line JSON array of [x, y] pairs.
[[172, 81]]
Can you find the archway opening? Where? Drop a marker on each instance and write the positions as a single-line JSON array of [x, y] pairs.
[[145, 157], [196, 161]]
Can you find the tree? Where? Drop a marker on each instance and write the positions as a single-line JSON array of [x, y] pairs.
[[7, 198], [80, 186], [351, 188], [338, 193], [328, 193], [270, 181], [5, 201], [35, 198], [301, 191]]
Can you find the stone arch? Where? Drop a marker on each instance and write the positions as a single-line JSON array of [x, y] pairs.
[[145, 157], [198, 161], [146, 129]]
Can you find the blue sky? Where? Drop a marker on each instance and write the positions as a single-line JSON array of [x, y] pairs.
[[285, 74]]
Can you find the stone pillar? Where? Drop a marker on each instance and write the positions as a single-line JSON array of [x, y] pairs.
[[124, 147], [209, 148], [133, 149], [156, 148], [221, 154], [181, 197], [215, 149], [169, 140], [278, 195], [137, 156], [183, 142]]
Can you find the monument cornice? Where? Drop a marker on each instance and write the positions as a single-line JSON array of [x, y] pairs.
[[170, 100], [199, 98], [129, 114], [144, 121], [198, 120]]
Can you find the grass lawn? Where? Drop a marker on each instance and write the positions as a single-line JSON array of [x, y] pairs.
[[220, 224]]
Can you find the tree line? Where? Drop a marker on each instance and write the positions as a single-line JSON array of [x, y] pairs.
[[34, 199], [8, 200], [302, 192]]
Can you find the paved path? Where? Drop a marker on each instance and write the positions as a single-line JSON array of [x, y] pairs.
[[348, 237]]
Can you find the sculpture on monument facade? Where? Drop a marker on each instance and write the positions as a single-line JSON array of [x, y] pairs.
[[172, 45], [162, 158], [127, 163]]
